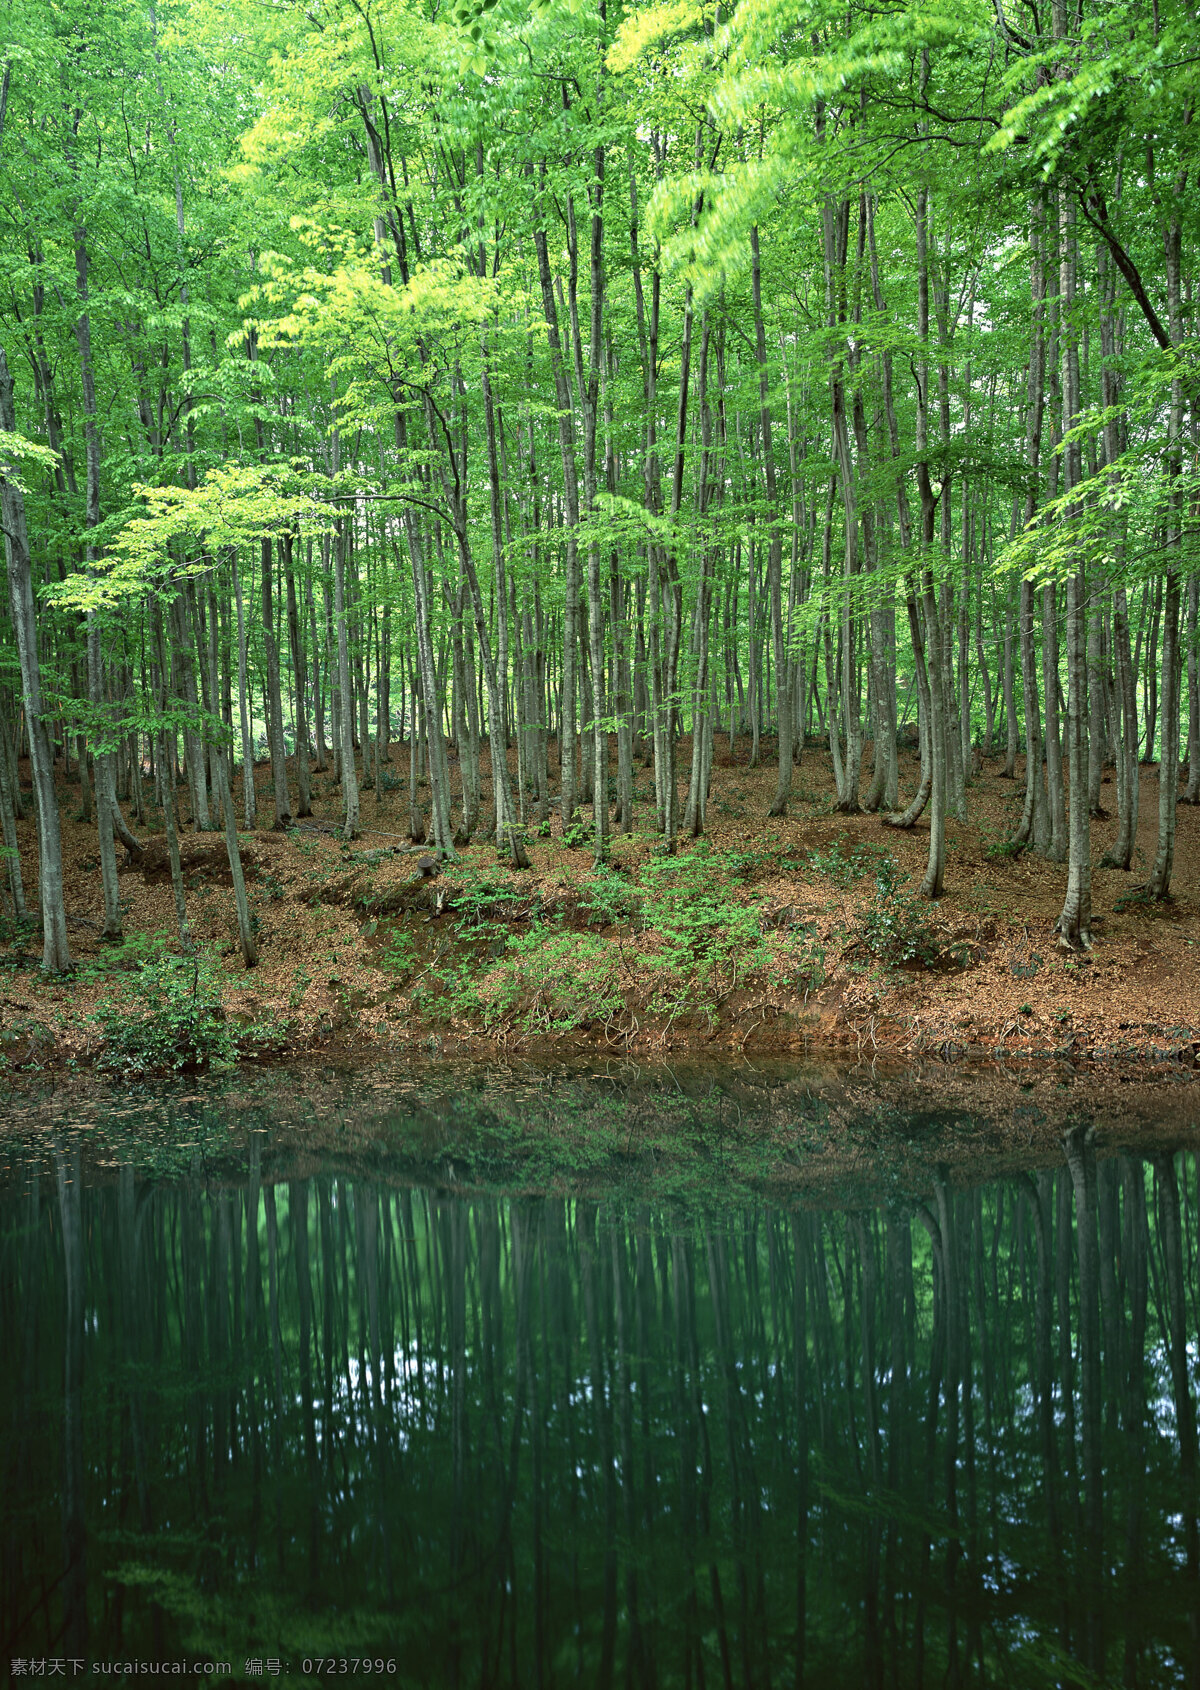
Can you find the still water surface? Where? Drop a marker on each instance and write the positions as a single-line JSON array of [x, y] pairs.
[[287, 1407]]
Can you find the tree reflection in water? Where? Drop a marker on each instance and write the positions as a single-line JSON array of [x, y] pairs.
[[526, 1442]]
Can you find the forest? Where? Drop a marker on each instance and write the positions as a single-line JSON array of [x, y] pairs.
[[523, 411]]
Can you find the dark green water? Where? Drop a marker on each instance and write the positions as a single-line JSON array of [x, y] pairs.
[[271, 1405]]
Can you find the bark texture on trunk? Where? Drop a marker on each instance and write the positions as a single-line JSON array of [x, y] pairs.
[[56, 952]]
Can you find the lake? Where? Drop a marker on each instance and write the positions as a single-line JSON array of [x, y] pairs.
[[534, 1380]]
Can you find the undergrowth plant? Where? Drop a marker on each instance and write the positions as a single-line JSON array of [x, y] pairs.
[[803, 956], [744, 864], [551, 982], [168, 1017], [708, 936], [608, 898], [478, 897], [896, 928], [841, 865], [399, 952]]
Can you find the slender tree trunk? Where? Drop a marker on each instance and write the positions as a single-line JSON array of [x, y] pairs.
[[105, 793], [1056, 846], [166, 764], [1010, 697], [248, 794], [1034, 826], [1159, 885], [8, 837], [56, 953], [320, 667], [1192, 795], [296, 644], [283, 802], [507, 828], [1125, 736], [1075, 921], [350, 806], [935, 869], [783, 713], [223, 794], [183, 658], [566, 444]]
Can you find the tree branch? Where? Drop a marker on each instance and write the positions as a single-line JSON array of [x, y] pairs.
[[1124, 263]]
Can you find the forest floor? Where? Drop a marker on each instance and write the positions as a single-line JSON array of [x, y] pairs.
[[770, 937]]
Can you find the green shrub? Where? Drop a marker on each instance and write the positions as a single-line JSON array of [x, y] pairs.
[[690, 904], [743, 865], [1000, 850], [896, 928], [608, 899], [804, 958], [843, 865], [762, 859], [168, 1018], [399, 952], [551, 982], [446, 989], [578, 835], [476, 897]]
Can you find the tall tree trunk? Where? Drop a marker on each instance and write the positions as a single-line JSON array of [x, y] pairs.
[[283, 802], [783, 712], [1159, 885], [166, 765], [105, 792], [1192, 795], [566, 445], [350, 805], [1075, 922], [56, 953], [935, 869], [296, 644], [223, 794], [8, 837], [248, 795], [507, 827]]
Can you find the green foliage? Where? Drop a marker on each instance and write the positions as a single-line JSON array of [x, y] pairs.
[[804, 957], [135, 952], [841, 864], [168, 1019], [701, 922], [552, 982], [25, 1043], [16, 941], [745, 864], [608, 898], [896, 927], [1004, 850], [577, 836], [477, 897], [399, 952], [334, 365]]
